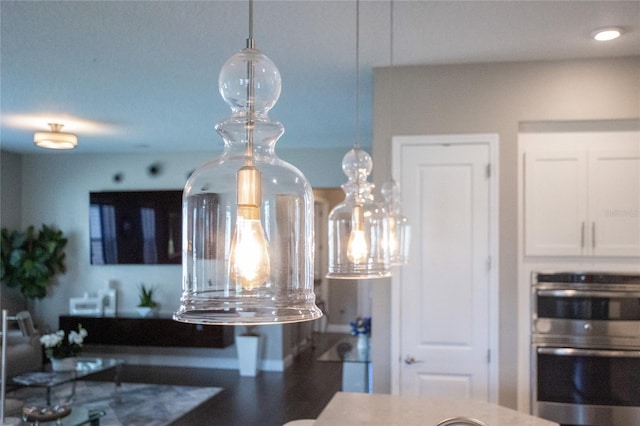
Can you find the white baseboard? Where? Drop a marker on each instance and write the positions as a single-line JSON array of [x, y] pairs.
[[189, 361]]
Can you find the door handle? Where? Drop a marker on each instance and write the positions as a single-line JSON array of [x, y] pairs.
[[411, 360]]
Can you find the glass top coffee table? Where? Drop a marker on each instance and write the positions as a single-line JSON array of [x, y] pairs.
[[79, 417], [84, 367]]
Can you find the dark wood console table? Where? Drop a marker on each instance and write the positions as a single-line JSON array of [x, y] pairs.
[[151, 331]]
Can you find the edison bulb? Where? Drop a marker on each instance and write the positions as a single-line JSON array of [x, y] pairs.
[[249, 263], [393, 238], [357, 247]]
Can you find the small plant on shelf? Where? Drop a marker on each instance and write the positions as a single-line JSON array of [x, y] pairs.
[[146, 297]]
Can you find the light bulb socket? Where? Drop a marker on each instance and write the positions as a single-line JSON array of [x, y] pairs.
[[248, 212], [357, 218], [249, 186]]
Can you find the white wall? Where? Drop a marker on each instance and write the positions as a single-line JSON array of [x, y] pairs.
[[55, 191], [491, 98]]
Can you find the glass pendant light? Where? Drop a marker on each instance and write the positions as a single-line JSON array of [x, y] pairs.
[[399, 228], [248, 215], [358, 227]]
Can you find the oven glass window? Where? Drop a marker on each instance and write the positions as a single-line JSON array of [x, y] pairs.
[[589, 308], [589, 380]]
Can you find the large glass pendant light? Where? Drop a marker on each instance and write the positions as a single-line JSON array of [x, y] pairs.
[[248, 215], [399, 228], [358, 227]]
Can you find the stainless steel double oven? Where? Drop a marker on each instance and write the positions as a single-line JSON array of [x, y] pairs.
[[585, 348]]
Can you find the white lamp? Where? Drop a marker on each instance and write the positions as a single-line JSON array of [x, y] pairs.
[[55, 139]]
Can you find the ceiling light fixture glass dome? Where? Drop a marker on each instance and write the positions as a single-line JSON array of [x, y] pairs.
[[248, 215]]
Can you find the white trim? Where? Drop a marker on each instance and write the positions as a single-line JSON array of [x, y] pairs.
[[492, 140]]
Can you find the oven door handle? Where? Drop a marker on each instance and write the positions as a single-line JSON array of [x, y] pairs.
[[604, 353], [588, 293]]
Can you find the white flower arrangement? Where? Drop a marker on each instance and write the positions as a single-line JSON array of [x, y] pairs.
[[55, 345]]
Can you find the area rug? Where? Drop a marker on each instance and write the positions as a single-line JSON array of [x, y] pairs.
[[136, 404]]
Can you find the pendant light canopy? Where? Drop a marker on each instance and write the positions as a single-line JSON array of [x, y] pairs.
[[358, 227], [248, 215], [399, 228]]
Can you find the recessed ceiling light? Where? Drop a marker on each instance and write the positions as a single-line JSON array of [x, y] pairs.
[[606, 34]]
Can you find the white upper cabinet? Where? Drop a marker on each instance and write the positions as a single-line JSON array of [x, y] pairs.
[[581, 194], [614, 203]]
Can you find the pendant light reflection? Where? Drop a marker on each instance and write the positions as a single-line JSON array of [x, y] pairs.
[[248, 248]]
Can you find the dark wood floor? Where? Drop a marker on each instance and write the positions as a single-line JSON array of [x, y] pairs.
[[269, 399]]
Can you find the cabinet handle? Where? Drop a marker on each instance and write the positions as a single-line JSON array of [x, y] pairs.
[[582, 236], [593, 235]]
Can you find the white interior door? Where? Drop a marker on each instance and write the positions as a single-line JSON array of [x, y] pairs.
[[444, 293]]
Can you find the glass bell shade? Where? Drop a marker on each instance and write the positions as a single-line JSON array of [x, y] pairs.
[[358, 227], [248, 215], [399, 228]]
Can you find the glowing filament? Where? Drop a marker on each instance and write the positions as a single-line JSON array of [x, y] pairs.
[[357, 247]]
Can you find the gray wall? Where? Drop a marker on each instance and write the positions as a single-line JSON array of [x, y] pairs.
[[491, 98]]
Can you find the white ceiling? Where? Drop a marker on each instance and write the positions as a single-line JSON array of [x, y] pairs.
[[141, 76]]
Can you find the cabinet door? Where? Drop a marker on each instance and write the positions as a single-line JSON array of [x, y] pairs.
[[614, 203], [554, 203]]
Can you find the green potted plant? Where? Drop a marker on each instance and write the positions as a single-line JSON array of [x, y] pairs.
[[146, 305], [29, 260]]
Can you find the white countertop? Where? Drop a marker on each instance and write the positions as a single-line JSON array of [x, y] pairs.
[[354, 409]]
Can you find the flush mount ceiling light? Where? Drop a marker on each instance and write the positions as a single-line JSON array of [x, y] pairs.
[[606, 34], [358, 227], [248, 215], [55, 139]]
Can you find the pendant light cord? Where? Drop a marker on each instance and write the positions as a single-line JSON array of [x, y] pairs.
[[250, 92], [357, 143]]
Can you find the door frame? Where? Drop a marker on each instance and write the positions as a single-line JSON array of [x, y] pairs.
[[491, 140]]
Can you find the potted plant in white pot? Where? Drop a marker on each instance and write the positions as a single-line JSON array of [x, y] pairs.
[[62, 348], [147, 305], [249, 346]]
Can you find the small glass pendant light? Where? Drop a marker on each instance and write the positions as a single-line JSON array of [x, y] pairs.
[[358, 227], [248, 215], [399, 228]]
